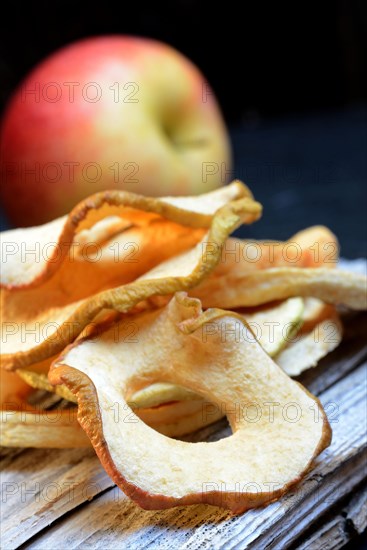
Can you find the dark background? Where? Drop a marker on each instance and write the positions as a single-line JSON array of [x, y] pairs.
[[292, 83]]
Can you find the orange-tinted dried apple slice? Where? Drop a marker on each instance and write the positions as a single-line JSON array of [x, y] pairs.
[[32, 255], [315, 246], [38, 322]]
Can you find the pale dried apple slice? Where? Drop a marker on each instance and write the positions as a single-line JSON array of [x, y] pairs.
[[21, 425], [180, 344], [160, 393], [57, 429], [39, 322], [307, 351], [330, 285], [273, 326]]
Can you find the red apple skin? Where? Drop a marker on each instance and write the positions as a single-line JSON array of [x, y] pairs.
[[109, 112]]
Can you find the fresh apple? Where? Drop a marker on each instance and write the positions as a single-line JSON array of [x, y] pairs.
[[109, 112]]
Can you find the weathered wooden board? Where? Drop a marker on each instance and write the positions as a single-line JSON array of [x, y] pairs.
[[342, 528], [41, 485], [46, 493]]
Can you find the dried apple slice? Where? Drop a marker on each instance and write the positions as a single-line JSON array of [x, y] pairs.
[[21, 425], [315, 246], [39, 322], [273, 326], [40, 381], [331, 286], [32, 255], [314, 312], [307, 351], [43, 429], [207, 353], [160, 393]]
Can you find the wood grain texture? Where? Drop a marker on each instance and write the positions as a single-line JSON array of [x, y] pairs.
[[330, 536], [72, 503], [41, 485], [337, 530], [356, 511]]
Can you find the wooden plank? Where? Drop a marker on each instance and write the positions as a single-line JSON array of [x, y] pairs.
[[117, 522], [356, 511], [40, 485], [344, 527], [330, 536]]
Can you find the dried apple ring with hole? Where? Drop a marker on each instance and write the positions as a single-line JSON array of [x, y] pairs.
[[210, 354]]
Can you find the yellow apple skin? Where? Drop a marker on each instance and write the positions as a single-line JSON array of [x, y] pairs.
[[109, 112]]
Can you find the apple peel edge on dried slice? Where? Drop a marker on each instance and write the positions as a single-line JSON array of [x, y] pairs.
[[21, 271], [178, 273], [254, 466]]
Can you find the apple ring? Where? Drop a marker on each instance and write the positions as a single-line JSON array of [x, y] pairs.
[[185, 346]]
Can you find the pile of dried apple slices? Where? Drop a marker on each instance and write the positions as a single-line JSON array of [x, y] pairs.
[[146, 314]]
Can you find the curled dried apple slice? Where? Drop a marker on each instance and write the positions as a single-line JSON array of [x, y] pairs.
[[39, 322], [40, 381], [32, 255], [331, 286], [273, 326], [307, 351], [278, 426], [315, 246]]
